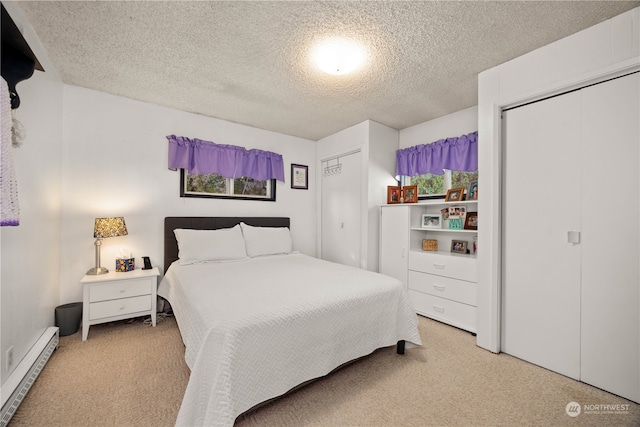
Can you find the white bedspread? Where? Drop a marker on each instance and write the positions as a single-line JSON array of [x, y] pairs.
[[255, 329]]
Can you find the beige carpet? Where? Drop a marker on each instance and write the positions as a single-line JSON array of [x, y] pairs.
[[129, 374]]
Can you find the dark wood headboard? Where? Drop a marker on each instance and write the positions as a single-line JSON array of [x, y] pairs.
[[208, 223]]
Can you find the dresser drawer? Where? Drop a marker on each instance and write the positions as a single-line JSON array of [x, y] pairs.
[[453, 313], [444, 287], [119, 289], [118, 307], [463, 267]]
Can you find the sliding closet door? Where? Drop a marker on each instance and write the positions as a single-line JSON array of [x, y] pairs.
[[611, 237], [541, 205]]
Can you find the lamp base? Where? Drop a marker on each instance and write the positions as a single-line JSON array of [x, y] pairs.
[[97, 270]]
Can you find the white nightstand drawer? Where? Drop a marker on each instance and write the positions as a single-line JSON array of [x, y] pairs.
[[118, 307], [444, 287], [463, 267], [453, 313], [119, 289]]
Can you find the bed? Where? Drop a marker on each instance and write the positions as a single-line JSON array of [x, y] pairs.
[[258, 323]]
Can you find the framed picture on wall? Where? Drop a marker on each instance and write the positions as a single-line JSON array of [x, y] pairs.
[[300, 177], [454, 195], [394, 194]]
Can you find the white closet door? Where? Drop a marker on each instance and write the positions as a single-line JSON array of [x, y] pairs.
[[341, 212], [541, 204], [611, 237]]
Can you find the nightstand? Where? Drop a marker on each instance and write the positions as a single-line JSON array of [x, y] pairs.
[[118, 295]]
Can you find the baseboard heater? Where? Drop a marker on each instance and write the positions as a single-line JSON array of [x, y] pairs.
[[20, 381]]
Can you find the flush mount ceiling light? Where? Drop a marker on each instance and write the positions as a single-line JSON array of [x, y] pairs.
[[339, 56]]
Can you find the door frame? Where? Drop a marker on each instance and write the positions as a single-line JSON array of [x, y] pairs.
[[491, 104]]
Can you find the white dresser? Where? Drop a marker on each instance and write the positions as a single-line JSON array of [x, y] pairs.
[[442, 285], [117, 296]]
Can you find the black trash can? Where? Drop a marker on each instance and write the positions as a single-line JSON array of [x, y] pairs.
[[68, 317]]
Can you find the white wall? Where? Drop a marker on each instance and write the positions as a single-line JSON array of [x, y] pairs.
[[29, 254], [605, 50], [449, 126], [115, 164]]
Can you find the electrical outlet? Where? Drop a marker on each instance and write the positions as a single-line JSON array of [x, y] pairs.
[[9, 358]]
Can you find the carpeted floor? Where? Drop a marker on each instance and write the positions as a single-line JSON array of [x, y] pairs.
[[129, 374]]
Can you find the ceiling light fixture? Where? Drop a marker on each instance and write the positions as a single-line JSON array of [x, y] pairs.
[[339, 56]]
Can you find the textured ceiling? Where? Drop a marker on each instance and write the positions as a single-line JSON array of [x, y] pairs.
[[248, 61]]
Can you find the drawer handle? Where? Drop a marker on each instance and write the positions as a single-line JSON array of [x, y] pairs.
[[122, 291], [439, 288], [438, 309], [439, 266], [123, 307]]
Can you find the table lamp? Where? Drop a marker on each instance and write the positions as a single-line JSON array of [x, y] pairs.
[[103, 228]]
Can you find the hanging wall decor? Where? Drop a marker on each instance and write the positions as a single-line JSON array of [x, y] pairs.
[[300, 177]]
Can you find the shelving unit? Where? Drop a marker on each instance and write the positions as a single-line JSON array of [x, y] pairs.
[[441, 284]]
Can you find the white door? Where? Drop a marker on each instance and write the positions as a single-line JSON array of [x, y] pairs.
[[611, 237], [541, 204], [394, 242], [341, 211]]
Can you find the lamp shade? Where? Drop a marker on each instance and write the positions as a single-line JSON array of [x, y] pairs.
[[109, 227]]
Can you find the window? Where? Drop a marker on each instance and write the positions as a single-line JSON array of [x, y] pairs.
[[217, 186], [436, 186]]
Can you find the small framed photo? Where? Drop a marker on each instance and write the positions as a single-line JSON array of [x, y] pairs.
[[410, 194], [454, 195], [472, 192], [457, 211], [431, 221], [394, 194], [459, 246], [471, 221], [300, 177]]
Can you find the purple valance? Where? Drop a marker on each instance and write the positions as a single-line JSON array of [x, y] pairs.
[[198, 156], [456, 154]]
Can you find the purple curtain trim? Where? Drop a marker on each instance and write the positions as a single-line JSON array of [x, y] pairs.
[[230, 161], [459, 154]]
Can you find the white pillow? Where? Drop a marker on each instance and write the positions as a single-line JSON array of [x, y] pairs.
[[210, 245], [266, 240]]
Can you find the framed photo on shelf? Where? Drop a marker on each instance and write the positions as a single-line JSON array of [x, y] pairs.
[[471, 221], [394, 194], [431, 221], [454, 195], [410, 194], [457, 211], [472, 191], [459, 246], [300, 176]]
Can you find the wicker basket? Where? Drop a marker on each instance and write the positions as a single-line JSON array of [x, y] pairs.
[[429, 245]]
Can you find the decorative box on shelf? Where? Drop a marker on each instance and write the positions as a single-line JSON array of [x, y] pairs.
[[128, 264], [429, 245]]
